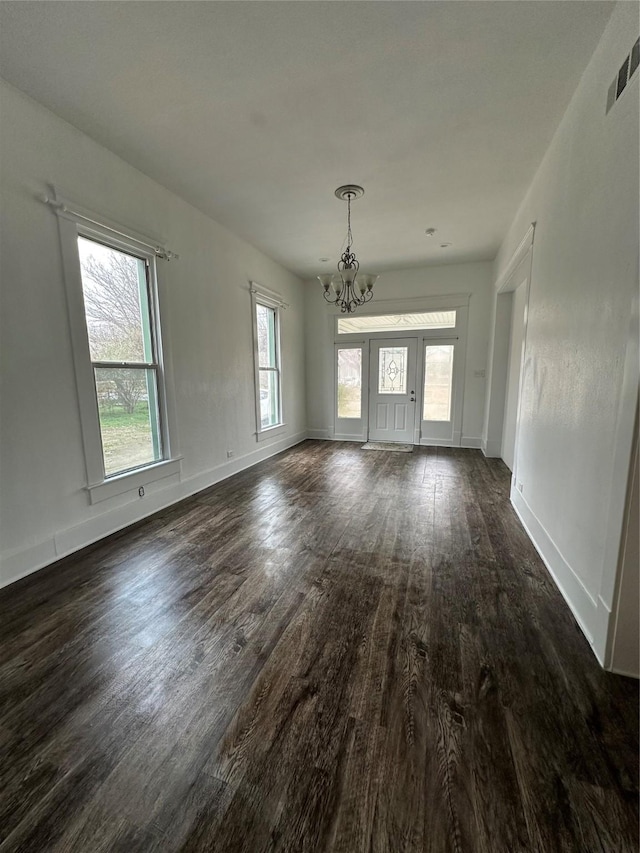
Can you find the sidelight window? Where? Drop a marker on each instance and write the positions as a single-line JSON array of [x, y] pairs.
[[349, 382], [438, 382]]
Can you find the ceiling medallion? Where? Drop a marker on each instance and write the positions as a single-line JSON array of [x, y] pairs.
[[349, 288]]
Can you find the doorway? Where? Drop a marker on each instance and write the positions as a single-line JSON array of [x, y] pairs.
[[393, 384], [399, 374]]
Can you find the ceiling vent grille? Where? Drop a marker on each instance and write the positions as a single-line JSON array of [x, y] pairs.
[[626, 72]]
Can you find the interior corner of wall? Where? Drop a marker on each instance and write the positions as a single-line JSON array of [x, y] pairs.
[[602, 634]]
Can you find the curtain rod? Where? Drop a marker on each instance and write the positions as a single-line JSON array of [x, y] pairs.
[[61, 207]]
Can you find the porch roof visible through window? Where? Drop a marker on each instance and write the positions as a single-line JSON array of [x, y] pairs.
[[397, 322]]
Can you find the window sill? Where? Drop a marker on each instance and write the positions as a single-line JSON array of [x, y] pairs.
[[131, 480], [268, 432]]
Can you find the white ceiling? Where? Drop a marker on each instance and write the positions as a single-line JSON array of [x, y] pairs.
[[256, 111]]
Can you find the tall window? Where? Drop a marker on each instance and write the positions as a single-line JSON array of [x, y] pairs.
[[122, 337], [438, 382], [349, 383], [268, 376], [126, 418]]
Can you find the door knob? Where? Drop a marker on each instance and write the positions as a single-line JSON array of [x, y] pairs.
[[413, 399]]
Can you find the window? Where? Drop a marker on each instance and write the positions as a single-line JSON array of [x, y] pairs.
[[115, 332], [350, 382], [269, 372], [407, 322], [120, 329], [268, 375], [392, 370], [438, 382]]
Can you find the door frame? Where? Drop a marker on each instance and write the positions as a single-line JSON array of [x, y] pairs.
[[455, 301], [518, 268]]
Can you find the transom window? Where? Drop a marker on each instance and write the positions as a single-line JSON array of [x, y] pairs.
[[408, 322]]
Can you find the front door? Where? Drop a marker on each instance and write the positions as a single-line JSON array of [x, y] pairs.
[[392, 398]]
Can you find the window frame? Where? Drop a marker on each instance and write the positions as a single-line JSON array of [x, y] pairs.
[[272, 301], [338, 349], [100, 487]]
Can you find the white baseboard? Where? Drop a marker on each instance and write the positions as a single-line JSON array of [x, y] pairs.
[[583, 606], [234, 466], [318, 433], [21, 562], [467, 441], [617, 671], [491, 449], [436, 442]]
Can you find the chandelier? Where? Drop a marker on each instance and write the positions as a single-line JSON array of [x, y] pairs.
[[349, 288]]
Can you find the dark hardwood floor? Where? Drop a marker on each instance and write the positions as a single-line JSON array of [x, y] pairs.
[[337, 650]]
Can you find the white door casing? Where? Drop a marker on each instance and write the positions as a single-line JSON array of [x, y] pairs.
[[392, 396]]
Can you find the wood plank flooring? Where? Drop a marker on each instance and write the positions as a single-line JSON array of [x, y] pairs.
[[337, 650]]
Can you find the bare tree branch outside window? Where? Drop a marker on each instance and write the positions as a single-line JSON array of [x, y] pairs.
[[112, 308]]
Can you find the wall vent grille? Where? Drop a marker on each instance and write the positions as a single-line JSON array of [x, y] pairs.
[[626, 72]]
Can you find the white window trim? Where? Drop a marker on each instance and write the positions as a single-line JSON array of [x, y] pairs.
[[262, 296], [71, 225]]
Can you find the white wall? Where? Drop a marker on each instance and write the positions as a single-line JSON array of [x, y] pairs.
[[580, 381], [516, 336], [497, 366], [207, 331], [625, 648], [473, 278]]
